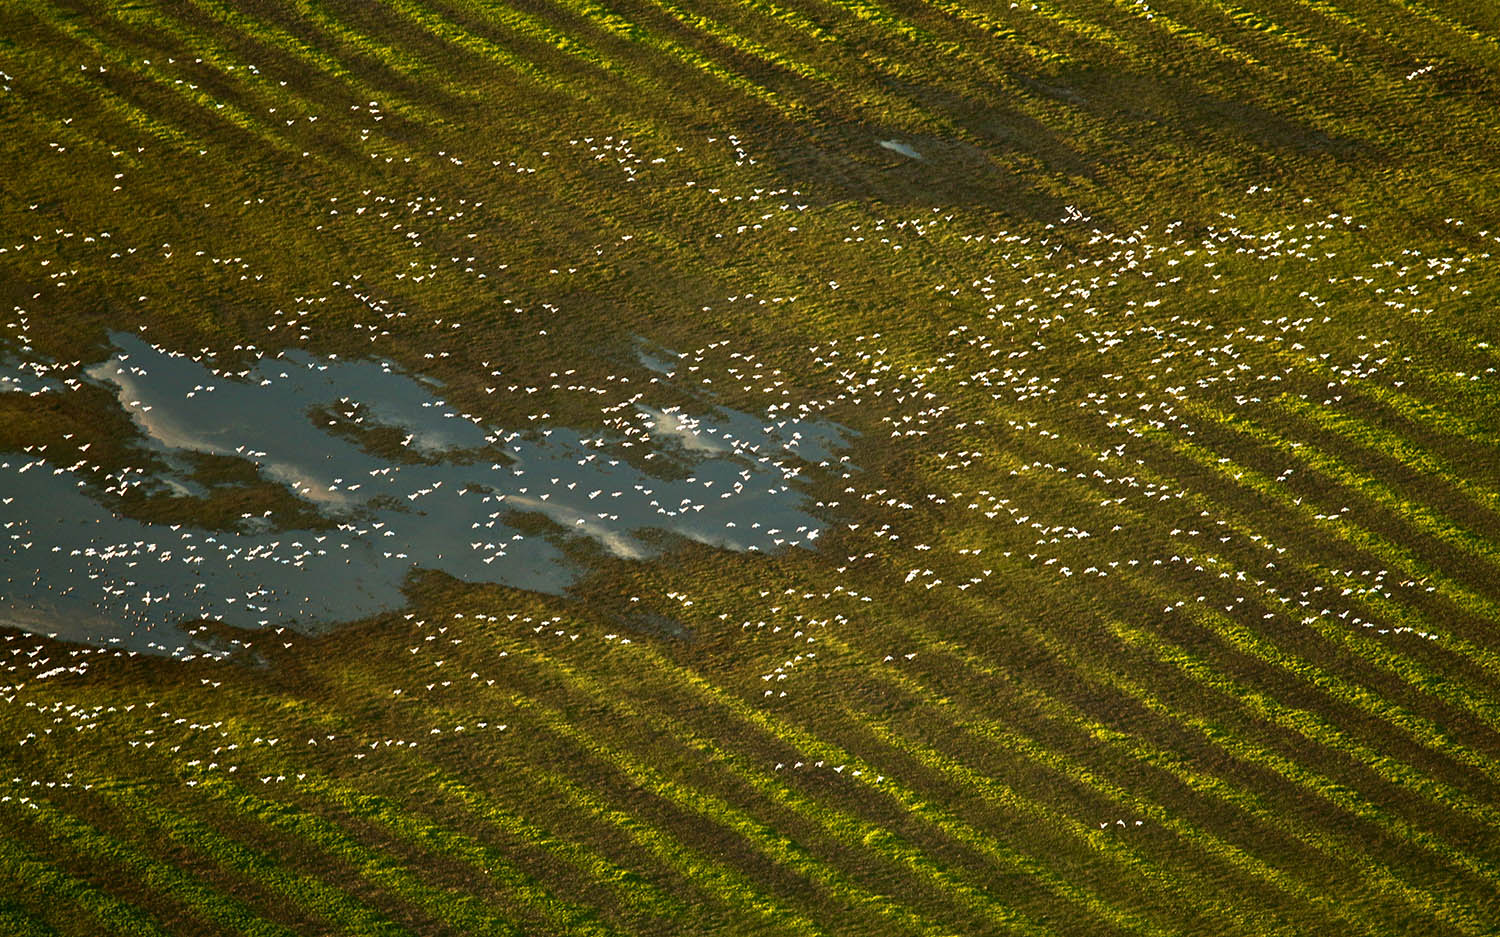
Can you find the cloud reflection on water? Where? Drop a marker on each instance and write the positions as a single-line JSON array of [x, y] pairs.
[[450, 501]]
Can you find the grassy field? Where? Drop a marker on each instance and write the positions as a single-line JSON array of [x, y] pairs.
[[1158, 591]]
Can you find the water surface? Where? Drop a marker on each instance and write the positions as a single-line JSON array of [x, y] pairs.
[[401, 479]]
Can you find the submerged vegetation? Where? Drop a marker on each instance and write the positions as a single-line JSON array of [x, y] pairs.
[[839, 467]]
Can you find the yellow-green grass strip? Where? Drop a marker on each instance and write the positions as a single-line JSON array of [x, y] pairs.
[[112, 914], [225, 912]]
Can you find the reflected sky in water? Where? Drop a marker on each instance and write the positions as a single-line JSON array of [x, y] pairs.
[[404, 480]]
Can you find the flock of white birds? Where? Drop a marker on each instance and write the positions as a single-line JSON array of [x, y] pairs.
[[1054, 326]]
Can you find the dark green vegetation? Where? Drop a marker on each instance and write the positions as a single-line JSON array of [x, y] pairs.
[[1163, 599]]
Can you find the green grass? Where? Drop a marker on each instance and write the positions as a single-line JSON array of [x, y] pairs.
[[1175, 379]]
